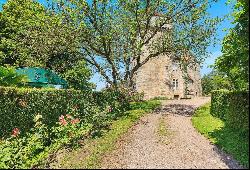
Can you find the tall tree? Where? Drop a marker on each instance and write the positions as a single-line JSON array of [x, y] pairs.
[[114, 35], [215, 81], [234, 62], [33, 36]]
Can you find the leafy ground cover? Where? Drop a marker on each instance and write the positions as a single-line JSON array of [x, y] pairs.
[[37, 146], [91, 154], [228, 139]]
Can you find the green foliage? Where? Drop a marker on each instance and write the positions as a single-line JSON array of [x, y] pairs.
[[33, 36], [146, 105], [136, 97], [51, 128], [233, 107], [9, 77], [219, 103], [77, 77], [234, 62], [23, 104], [230, 140], [214, 81], [113, 34], [39, 142], [100, 146], [112, 101], [205, 122], [16, 16]]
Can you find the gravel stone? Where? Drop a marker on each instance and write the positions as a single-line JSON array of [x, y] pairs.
[[140, 147]]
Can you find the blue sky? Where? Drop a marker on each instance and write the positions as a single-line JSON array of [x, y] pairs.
[[218, 9]]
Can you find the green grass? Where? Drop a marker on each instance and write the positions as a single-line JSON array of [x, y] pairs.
[[229, 140], [107, 142], [145, 105], [98, 147], [163, 131]]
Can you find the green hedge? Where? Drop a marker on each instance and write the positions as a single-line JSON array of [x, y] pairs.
[[233, 107], [114, 100], [18, 106], [219, 103]]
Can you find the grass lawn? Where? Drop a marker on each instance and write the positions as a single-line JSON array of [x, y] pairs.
[[229, 140]]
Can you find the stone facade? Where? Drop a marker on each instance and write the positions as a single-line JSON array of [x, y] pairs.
[[162, 76]]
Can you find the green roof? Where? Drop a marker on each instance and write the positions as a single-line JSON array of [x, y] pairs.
[[41, 75]]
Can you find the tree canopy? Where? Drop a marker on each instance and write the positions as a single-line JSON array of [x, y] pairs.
[[33, 36], [214, 81], [9, 77], [115, 38], [234, 62], [114, 35]]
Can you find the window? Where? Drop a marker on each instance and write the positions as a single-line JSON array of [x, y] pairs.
[[175, 84], [190, 81], [174, 66]]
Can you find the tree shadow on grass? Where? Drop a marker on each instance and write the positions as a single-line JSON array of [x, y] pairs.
[[179, 109], [232, 145]]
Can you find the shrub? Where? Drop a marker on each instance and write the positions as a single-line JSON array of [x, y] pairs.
[[219, 103], [35, 146], [9, 77], [112, 101], [232, 106], [136, 97], [18, 106], [146, 105]]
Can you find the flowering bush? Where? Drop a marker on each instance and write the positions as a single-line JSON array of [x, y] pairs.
[[27, 142], [15, 132], [30, 149], [18, 105]]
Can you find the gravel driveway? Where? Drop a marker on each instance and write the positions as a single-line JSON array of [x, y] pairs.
[[182, 147]]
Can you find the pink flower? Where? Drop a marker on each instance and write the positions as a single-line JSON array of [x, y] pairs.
[[109, 109], [62, 120], [68, 116], [15, 132], [74, 121]]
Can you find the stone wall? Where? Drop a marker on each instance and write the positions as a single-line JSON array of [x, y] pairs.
[[155, 79]]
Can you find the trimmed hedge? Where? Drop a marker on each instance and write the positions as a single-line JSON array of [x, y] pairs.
[[114, 100], [18, 106], [233, 107], [219, 103]]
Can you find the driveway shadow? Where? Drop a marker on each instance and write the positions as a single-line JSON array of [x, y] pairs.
[[179, 109]]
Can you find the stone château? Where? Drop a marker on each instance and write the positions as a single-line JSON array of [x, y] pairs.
[[162, 76]]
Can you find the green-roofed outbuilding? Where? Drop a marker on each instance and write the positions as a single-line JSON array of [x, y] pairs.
[[40, 77]]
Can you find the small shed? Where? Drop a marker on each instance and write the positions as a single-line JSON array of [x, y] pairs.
[[40, 77]]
